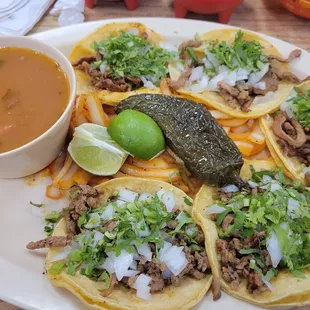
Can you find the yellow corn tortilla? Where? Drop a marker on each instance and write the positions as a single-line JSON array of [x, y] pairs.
[[185, 296], [85, 48], [213, 100], [287, 289], [292, 166]]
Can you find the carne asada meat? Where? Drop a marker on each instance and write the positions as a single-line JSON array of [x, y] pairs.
[[48, 242]]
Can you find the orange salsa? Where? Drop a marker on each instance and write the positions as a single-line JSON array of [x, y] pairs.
[[34, 92]]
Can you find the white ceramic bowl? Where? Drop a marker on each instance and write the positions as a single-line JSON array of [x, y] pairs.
[[39, 153]]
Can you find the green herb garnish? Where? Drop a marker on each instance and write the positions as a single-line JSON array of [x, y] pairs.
[[241, 53], [38, 205], [187, 201], [56, 268], [53, 217], [129, 55], [301, 105]]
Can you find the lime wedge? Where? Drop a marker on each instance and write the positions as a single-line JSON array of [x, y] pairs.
[[93, 149], [137, 133]]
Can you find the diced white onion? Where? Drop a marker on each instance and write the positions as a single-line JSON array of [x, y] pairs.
[[166, 246], [118, 264], [131, 273], [268, 284], [146, 83], [142, 287], [213, 82], [61, 255], [175, 259], [260, 85], [252, 184], [273, 248], [134, 31], [127, 195], [145, 250], [242, 74], [167, 274], [98, 236], [267, 179], [144, 196], [180, 66], [108, 213], [120, 202], [293, 206], [94, 221], [133, 265], [196, 74], [167, 199], [143, 229], [102, 67], [257, 76], [168, 46], [273, 186], [264, 99], [215, 209], [231, 188], [286, 106], [210, 61]]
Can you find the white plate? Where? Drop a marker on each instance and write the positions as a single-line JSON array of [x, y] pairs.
[[22, 281]]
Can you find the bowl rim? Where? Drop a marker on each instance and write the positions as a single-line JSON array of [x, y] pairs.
[[71, 98]]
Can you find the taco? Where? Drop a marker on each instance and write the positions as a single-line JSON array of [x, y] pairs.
[[257, 236], [234, 71], [287, 134], [120, 59], [129, 243]]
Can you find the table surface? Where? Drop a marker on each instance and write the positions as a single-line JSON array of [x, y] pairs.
[[266, 16]]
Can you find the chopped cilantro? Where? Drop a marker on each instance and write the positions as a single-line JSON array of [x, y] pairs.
[[41, 205], [191, 53], [187, 201], [301, 105], [248, 251], [53, 217], [56, 268], [48, 229], [241, 53], [105, 281], [133, 56]]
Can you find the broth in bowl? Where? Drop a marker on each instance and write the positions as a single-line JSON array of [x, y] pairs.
[[34, 93]]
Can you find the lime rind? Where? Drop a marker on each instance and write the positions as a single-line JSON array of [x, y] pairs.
[[93, 150]]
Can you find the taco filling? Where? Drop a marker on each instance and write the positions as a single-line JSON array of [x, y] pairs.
[[239, 71], [263, 229], [126, 62], [291, 126], [140, 241]]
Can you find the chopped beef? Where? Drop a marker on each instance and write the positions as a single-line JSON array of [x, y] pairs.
[[231, 101], [235, 96], [113, 282], [293, 54], [200, 238], [307, 178], [202, 261], [216, 288], [87, 59], [285, 76], [255, 283], [59, 241], [109, 226], [229, 218], [84, 199], [236, 244], [118, 85], [144, 35], [186, 44], [287, 149], [224, 197], [197, 274], [105, 80], [181, 81], [299, 137], [157, 284], [172, 224]]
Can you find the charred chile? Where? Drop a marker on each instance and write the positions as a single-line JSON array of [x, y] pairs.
[[193, 134]]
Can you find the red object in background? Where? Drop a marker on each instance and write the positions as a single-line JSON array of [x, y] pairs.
[[130, 4], [224, 8], [298, 7]]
